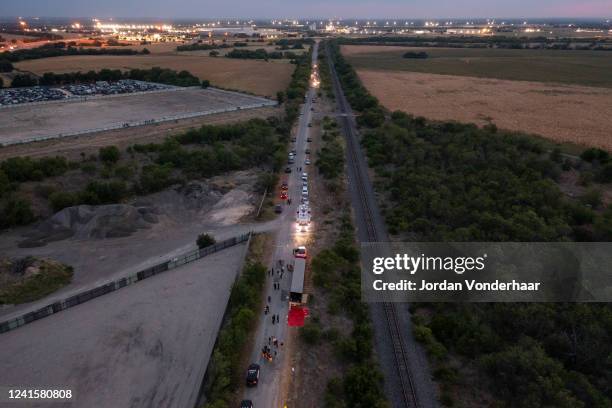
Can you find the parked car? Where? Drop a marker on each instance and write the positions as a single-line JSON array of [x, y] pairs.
[[307, 162], [310, 125], [307, 151], [305, 176], [287, 169], [252, 377], [284, 186], [246, 404], [283, 195], [309, 139], [278, 208], [293, 139]]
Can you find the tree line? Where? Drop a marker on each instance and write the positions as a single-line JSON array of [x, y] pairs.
[[156, 74], [260, 53], [60, 50]]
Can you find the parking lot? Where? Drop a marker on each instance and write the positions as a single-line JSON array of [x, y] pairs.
[[20, 124], [16, 96]]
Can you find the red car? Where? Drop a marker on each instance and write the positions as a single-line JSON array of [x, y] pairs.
[[283, 195]]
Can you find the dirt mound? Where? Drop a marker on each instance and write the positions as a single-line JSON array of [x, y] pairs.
[[184, 202], [85, 221], [223, 200]]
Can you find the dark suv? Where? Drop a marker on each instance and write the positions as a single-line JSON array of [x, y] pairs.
[[252, 377], [246, 404]]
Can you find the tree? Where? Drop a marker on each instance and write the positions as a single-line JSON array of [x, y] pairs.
[[205, 83], [16, 211], [214, 53], [280, 97], [109, 154], [205, 240], [23, 80], [146, 51], [6, 66]]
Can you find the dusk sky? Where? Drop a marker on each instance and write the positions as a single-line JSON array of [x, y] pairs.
[[307, 8]]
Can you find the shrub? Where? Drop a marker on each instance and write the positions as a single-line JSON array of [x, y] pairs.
[[205, 240], [62, 199], [15, 211], [311, 333], [23, 80], [109, 154]]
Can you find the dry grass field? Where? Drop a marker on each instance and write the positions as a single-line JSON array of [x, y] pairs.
[[564, 113], [590, 68], [258, 77]]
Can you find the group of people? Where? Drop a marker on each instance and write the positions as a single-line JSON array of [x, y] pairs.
[[266, 350]]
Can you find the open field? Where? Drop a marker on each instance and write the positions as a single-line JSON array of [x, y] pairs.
[[72, 147], [258, 77], [563, 113], [591, 68], [146, 345], [25, 122]]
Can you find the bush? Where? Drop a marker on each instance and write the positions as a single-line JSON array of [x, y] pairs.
[[15, 211], [154, 178], [23, 80], [62, 199], [592, 197], [205, 83], [311, 333], [6, 66], [109, 154], [205, 240], [415, 55]]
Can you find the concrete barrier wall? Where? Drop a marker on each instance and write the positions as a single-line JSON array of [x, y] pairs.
[[100, 290]]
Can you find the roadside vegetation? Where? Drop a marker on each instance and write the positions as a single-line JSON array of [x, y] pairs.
[[325, 75], [457, 182], [337, 272], [29, 279], [330, 160], [224, 373]]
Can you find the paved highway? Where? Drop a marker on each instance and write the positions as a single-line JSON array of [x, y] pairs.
[[269, 391]]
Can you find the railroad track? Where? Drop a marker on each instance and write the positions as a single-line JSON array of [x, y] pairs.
[[399, 348]]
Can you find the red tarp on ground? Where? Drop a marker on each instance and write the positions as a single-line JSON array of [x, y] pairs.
[[296, 316]]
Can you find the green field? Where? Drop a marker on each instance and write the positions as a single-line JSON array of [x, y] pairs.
[[591, 68]]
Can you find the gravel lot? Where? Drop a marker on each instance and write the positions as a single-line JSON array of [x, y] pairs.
[[20, 123], [146, 345]]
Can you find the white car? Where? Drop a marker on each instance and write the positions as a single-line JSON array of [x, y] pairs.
[[304, 177], [304, 191], [307, 162]]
